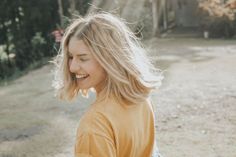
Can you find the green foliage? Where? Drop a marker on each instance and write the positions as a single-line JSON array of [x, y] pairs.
[[222, 28], [83, 6], [219, 17], [25, 28], [38, 46], [219, 27], [6, 69]]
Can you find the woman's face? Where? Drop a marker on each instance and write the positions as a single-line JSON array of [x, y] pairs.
[[89, 73]]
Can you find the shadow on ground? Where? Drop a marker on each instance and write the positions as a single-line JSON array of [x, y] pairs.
[[195, 107]]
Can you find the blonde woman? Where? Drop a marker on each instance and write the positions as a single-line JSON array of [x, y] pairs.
[[100, 52]]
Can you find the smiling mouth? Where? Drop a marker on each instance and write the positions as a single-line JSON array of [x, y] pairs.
[[80, 77]]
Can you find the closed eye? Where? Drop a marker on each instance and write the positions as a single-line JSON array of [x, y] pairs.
[[70, 57], [83, 59]]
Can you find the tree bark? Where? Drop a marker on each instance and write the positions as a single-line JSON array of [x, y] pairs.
[[165, 15], [72, 7], [155, 17], [60, 11], [130, 10], [105, 5]]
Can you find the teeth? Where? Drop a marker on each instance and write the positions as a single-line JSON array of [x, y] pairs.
[[81, 76]]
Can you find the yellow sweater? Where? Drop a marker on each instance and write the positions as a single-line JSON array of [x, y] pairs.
[[109, 129]]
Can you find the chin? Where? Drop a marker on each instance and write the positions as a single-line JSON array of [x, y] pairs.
[[83, 88]]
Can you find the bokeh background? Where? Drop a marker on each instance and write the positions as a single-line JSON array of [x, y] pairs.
[[192, 41]]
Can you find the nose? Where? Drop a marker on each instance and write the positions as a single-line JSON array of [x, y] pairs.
[[74, 66]]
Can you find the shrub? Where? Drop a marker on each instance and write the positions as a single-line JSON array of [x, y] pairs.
[[219, 17]]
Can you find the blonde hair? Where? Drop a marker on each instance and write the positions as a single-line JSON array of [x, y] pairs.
[[130, 74]]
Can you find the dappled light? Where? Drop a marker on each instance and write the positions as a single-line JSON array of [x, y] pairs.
[[192, 42]]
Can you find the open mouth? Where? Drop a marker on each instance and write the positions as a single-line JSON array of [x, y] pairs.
[[81, 77]]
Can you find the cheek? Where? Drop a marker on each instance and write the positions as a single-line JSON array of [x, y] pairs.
[[69, 64], [101, 73], [95, 69]]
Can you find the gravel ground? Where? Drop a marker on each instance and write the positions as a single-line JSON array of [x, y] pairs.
[[195, 106]]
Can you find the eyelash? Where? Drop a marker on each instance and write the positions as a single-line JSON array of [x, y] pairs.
[[70, 57], [81, 59]]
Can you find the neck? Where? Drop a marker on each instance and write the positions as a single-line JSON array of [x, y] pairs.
[[100, 95]]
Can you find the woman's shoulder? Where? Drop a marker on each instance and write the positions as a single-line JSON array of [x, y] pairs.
[[93, 121], [92, 116]]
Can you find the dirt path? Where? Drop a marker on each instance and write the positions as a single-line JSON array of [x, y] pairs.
[[195, 107]]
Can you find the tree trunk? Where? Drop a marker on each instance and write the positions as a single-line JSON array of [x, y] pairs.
[[60, 11], [8, 56], [105, 5], [130, 10], [165, 15], [72, 7], [155, 16]]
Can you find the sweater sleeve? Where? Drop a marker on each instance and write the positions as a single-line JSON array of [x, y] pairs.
[[94, 145]]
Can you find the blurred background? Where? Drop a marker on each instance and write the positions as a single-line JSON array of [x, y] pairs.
[[192, 41]]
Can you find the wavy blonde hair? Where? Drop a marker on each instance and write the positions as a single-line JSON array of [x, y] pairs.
[[130, 74]]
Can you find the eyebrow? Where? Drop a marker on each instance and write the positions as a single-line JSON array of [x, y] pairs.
[[82, 54]]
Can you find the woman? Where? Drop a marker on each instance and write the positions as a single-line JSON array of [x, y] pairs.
[[100, 52]]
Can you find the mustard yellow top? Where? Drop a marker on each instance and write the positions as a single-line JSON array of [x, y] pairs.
[[109, 129]]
